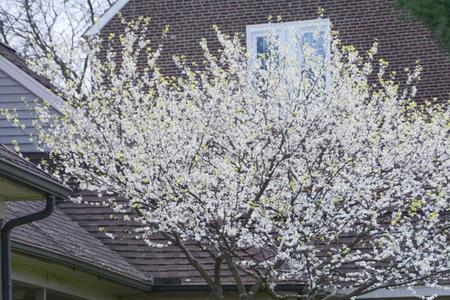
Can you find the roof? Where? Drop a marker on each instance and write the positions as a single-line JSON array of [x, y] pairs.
[[106, 17], [15, 58], [8, 156], [60, 239], [76, 231], [19, 169], [16, 67], [158, 263]]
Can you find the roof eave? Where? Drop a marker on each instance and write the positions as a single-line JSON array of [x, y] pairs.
[[35, 181], [286, 287], [138, 284], [105, 18]]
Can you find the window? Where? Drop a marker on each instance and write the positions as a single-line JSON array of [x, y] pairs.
[[314, 33], [23, 291]]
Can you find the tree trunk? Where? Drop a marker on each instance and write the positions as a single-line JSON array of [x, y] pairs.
[[216, 295], [247, 297]]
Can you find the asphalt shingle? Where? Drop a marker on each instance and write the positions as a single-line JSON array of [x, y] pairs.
[[60, 235], [14, 159], [154, 262]]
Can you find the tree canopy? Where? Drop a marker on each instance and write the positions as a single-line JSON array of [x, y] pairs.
[[282, 167]]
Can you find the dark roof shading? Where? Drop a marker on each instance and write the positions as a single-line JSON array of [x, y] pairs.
[[13, 158], [59, 235], [154, 262]]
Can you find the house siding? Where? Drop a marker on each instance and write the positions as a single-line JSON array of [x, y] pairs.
[[359, 22], [13, 96]]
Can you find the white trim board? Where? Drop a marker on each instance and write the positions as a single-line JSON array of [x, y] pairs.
[[105, 18], [406, 293], [30, 83]]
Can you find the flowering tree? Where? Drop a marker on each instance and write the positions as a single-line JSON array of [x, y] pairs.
[[285, 167]]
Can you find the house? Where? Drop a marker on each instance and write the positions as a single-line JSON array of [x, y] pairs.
[[46, 260], [402, 41], [127, 268], [65, 256], [359, 22], [54, 258]]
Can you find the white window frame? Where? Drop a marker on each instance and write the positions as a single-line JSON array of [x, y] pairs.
[[285, 31]]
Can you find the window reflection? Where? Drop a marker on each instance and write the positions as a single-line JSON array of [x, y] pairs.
[[23, 292]]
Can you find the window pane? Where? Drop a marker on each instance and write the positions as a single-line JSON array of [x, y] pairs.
[[51, 295], [23, 292], [264, 49], [262, 46], [316, 41]]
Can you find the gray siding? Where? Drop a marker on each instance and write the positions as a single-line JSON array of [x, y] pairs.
[[12, 96]]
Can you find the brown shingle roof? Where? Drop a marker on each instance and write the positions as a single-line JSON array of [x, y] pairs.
[[78, 231], [58, 234], [154, 262], [9, 156]]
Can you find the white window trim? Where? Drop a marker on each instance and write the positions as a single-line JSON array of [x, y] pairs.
[[282, 29]]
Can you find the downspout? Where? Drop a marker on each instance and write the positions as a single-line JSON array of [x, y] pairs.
[[6, 242]]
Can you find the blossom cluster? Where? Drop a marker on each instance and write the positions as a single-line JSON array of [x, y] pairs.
[[324, 171]]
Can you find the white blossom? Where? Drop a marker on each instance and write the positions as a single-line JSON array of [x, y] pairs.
[[340, 182]]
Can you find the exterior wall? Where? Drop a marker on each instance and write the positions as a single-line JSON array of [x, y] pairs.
[[66, 280], [233, 296], [12, 94], [184, 295], [359, 22]]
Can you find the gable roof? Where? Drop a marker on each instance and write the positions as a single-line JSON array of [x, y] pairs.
[[167, 266], [59, 239], [160, 263], [105, 18], [16, 67]]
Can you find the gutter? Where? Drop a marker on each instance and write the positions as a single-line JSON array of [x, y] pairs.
[[157, 285], [6, 243], [174, 284], [34, 180], [139, 284]]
